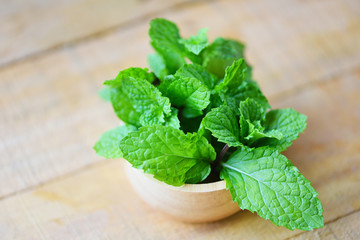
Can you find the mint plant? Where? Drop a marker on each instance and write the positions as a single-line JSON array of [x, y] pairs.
[[185, 122]]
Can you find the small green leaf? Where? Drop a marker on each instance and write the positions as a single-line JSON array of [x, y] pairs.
[[252, 110], [198, 72], [223, 125], [165, 39], [196, 43], [158, 65], [168, 154], [220, 54], [234, 75], [264, 181], [173, 120], [252, 116], [256, 133], [105, 94], [248, 89], [138, 102], [288, 122], [187, 92], [108, 144], [133, 72]]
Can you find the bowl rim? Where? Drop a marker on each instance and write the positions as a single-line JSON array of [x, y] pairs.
[[187, 187]]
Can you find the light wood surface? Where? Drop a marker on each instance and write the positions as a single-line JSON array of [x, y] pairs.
[[55, 55]]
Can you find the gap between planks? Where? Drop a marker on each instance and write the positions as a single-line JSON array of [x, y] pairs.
[[102, 33]]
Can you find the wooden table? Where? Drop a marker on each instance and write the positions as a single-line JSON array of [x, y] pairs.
[[54, 56]]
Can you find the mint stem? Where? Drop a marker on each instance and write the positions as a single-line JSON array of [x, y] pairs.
[[221, 155]]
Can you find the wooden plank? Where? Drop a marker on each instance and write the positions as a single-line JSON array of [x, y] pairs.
[[51, 115], [344, 228], [98, 203], [28, 27]]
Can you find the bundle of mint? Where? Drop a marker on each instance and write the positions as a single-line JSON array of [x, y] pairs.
[[208, 119]]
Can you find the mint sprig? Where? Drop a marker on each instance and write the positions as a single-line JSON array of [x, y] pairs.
[[264, 181], [199, 111], [169, 154]]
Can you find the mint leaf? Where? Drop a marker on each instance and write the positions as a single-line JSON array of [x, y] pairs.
[[133, 72], [139, 103], [198, 172], [288, 122], [173, 120], [220, 54], [252, 110], [168, 154], [223, 125], [105, 94], [265, 181], [195, 44], [198, 72], [165, 39], [234, 75], [108, 144], [248, 89], [252, 115], [158, 65], [187, 92], [255, 132]]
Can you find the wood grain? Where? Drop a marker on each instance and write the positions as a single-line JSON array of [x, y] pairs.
[[306, 55], [98, 202], [344, 228], [51, 115], [32, 26]]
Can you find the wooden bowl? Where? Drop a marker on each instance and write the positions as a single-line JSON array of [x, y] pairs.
[[189, 203]]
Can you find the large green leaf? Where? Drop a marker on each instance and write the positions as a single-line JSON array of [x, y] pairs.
[[264, 181], [187, 92], [165, 39], [139, 103], [108, 144], [169, 154]]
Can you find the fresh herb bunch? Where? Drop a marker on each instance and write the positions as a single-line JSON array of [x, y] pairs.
[[186, 122]]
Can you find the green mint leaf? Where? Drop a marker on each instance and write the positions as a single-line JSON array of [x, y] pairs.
[[165, 39], [105, 94], [187, 92], [235, 74], [108, 144], [252, 116], [248, 89], [252, 110], [198, 172], [265, 181], [173, 120], [168, 154], [198, 72], [133, 72], [138, 102], [286, 121], [220, 54], [255, 132], [195, 44], [158, 65], [223, 125]]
